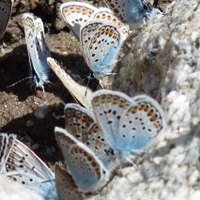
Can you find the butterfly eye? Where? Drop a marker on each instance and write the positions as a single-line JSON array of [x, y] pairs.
[[145, 7]]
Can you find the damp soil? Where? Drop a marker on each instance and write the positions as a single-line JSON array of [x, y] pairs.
[[18, 101]]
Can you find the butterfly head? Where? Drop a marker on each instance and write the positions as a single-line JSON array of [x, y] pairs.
[[148, 10]]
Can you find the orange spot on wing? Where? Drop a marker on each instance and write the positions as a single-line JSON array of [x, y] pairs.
[[134, 110], [121, 104], [150, 113], [158, 127], [95, 129], [141, 107], [146, 108], [153, 118]]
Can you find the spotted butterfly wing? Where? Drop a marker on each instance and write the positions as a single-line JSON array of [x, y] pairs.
[[109, 107], [86, 169], [38, 50], [108, 16], [101, 42], [76, 14], [66, 188], [25, 167], [143, 121], [81, 123], [5, 12], [128, 124], [6, 144], [82, 94]]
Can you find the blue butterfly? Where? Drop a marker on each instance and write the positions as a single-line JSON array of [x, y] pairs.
[[38, 50], [129, 125], [87, 170]]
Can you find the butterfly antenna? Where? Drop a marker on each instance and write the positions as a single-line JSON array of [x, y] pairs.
[[9, 86]]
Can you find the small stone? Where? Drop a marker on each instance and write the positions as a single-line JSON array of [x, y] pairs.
[[29, 123], [41, 111], [35, 147]]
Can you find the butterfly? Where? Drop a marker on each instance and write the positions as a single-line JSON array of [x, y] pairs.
[[6, 144], [81, 123], [77, 14], [129, 124], [25, 167], [66, 188], [38, 50], [82, 94], [86, 169], [5, 12], [89, 24], [132, 12], [101, 41]]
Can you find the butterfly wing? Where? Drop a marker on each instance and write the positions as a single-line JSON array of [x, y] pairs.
[[87, 32], [76, 14], [81, 94], [66, 188], [86, 169], [24, 166], [6, 144], [140, 124], [41, 67], [30, 35], [102, 50], [5, 12], [82, 125], [108, 107], [107, 15], [37, 49], [78, 121]]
